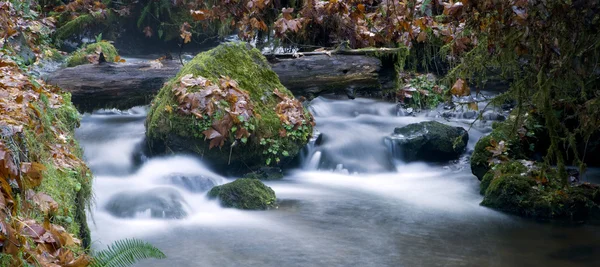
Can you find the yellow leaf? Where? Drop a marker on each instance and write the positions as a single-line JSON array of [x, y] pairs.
[[473, 106], [460, 88]]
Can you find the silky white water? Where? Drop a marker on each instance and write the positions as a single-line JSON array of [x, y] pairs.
[[349, 203]]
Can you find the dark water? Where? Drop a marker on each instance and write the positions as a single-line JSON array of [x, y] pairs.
[[350, 204]]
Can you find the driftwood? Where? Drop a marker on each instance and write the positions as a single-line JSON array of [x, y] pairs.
[[129, 84]]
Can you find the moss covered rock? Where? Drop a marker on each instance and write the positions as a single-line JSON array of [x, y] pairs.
[[253, 121], [244, 193], [506, 168], [79, 57], [514, 147], [522, 195], [429, 141]]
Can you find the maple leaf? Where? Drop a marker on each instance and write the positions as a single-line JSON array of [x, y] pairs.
[[216, 138], [199, 15], [460, 88], [496, 148], [148, 31]]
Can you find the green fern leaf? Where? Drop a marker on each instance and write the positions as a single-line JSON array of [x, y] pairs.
[[126, 252]]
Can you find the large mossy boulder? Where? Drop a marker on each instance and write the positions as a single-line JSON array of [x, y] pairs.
[[534, 192], [228, 106], [244, 193], [428, 141], [80, 57]]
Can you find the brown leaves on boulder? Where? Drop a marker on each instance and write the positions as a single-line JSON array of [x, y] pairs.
[[291, 112], [207, 98]]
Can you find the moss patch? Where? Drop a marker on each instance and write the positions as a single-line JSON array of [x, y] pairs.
[[244, 193], [79, 57], [71, 186], [169, 131]]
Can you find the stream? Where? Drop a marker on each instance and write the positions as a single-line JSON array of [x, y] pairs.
[[348, 203]]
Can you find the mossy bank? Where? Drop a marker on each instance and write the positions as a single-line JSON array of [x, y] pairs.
[[45, 183], [262, 135]]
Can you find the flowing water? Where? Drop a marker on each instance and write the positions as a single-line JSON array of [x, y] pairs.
[[348, 204]]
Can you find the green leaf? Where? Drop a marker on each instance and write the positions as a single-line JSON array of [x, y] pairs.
[[244, 140], [285, 153], [268, 161]]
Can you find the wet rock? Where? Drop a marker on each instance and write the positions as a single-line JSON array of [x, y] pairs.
[[493, 116], [428, 141], [182, 132], [164, 203], [244, 193], [469, 115], [192, 183]]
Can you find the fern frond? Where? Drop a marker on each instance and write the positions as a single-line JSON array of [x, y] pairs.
[[126, 253], [143, 15]]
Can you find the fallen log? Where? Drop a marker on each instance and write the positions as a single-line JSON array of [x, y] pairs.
[[126, 85], [111, 85]]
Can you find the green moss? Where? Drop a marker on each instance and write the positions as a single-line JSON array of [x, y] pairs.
[[514, 188], [505, 168], [512, 193], [74, 27], [244, 193], [70, 187], [169, 131], [79, 57]]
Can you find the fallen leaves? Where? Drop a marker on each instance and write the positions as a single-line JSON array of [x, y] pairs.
[[291, 112], [201, 98], [24, 102]]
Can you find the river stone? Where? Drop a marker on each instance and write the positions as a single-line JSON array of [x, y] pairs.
[[428, 141], [244, 193], [192, 183], [169, 131], [164, 203]]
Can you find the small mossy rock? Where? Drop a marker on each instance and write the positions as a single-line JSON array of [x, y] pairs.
[[271, 141], [502, 131], [505, 168], [511, 193], [244, 193], [428, 141], [480, 157], [79, 57]]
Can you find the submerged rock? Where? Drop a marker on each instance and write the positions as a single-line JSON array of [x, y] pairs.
[[244, 193], [164, 203], [229, 107], [428, 141], [192, 183]]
